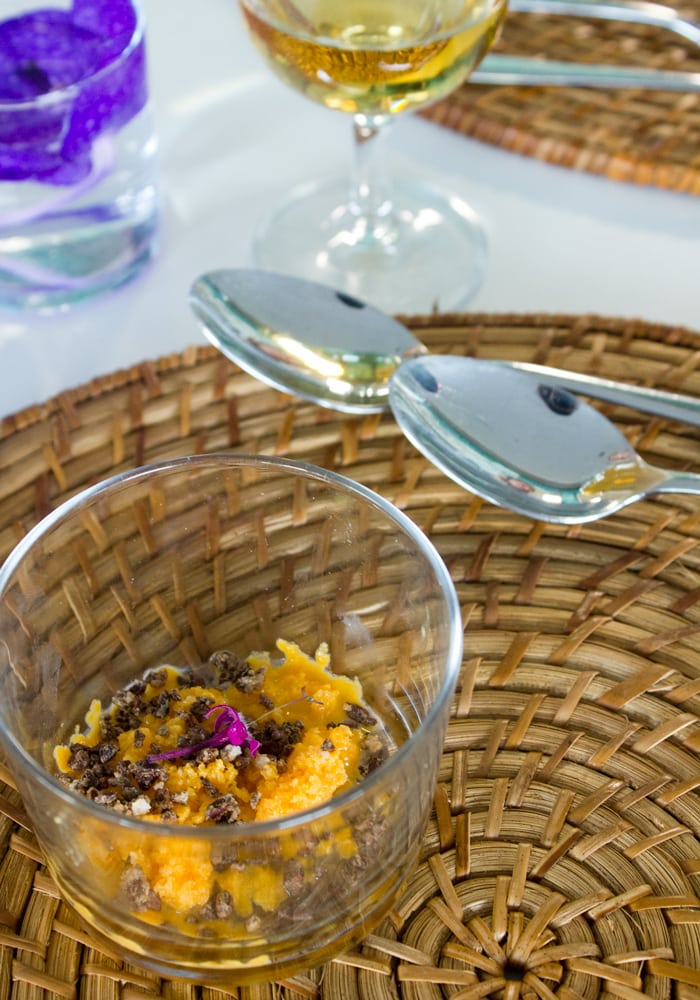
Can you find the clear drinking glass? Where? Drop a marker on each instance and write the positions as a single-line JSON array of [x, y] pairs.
[[404, 246], [167, 564], [78, 194]]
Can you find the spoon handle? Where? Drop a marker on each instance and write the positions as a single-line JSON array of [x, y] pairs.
[[515, 71], [672, 405], [679, 482], [657, 15]]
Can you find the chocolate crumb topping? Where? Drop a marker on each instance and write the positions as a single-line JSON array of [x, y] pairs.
[[195, 734], [138, 891], [359, 715], [233, 669], [79, 759], [219, 906], [105, 798], [106, 751], [160, 705], [278, 740], [293, 877], [224, 859], [127, 698], [124, 719], [146, 775], [157, 678], [162, 797], [200, 706], [225, 809], [374, 753], [209, 788]]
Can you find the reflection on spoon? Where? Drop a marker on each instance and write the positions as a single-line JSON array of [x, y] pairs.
[[328, 347], [524, 446], [304, 338]]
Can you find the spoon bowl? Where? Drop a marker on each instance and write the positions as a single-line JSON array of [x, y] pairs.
[[523, 445], [304, 338]]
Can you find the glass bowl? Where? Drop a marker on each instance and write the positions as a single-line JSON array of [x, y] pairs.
[[165, 565]]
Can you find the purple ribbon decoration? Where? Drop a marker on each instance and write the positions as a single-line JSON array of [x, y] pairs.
[[229, 728], [67, 77]]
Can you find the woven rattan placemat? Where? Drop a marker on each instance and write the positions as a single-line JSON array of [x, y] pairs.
[[644, 136], [562, 858]]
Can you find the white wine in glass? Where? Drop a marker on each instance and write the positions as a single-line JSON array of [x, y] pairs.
[[404, 246]]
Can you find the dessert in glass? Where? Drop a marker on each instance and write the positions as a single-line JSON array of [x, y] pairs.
[[227, 614]]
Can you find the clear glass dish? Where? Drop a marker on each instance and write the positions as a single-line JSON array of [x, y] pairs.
[[166, 564]]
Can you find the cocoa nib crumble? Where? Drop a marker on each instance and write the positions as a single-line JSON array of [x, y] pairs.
[[358, 715], [138, 891], [224, 809], [233, 669], [219, 906], [278, 740], [211, 790], [374, 753]]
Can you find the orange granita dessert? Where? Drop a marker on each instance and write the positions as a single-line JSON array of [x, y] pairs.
[[242, 740], [238, 741]]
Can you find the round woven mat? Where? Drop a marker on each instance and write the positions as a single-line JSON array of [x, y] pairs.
[[562, 858], [643, 136]]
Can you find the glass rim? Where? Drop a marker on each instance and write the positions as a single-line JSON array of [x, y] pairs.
[[333, 42], [67, 94], [242, 831]]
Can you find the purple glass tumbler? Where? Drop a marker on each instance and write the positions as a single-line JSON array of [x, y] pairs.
[[78, 195]]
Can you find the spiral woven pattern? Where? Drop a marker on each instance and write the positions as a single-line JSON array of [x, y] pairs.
[[636, 136], [562, 856]]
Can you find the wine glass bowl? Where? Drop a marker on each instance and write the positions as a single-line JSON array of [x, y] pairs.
[[373, 58], [403, 246]]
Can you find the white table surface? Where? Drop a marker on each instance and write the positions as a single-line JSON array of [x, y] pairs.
[[233, 140]]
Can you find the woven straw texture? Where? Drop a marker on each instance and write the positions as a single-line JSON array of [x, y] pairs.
[[646, 137], [562, 857]]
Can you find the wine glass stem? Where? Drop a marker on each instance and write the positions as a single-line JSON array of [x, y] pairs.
[[370, 196]]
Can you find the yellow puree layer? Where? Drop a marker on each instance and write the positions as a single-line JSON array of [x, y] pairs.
[[180, 872]]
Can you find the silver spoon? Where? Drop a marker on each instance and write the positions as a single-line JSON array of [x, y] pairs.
[[503, 433], [534, 449], [325, 346]]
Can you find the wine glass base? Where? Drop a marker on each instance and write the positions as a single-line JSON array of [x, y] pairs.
[[428, 255]]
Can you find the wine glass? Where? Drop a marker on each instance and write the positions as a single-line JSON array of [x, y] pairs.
[[404, 246]]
